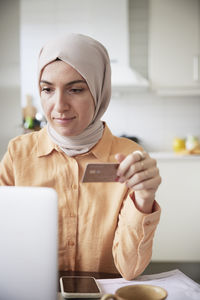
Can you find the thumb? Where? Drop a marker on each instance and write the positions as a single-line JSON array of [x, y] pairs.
[[120, 157]]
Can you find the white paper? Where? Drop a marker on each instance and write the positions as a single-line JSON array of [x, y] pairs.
[[178, 285]]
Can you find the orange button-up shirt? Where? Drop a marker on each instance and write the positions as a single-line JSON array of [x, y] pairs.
[[100, 229]]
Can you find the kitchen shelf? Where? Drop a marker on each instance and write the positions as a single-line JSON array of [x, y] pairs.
[[172, 155], [180, 92]]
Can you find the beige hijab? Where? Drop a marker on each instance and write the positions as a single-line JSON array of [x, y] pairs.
[[91, 60]]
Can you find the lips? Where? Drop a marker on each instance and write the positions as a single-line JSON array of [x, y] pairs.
[[64, 120]]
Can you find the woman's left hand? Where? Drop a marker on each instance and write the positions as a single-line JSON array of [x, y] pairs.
[[139, 171]]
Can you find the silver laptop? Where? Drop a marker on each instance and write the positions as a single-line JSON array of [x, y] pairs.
[[28, 243]]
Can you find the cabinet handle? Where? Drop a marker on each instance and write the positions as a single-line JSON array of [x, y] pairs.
[[196, 67]]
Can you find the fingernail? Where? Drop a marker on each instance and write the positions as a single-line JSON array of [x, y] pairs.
[[121, 179], [117, 179]]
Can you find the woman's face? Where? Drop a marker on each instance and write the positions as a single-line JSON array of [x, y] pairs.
[[66, 99]]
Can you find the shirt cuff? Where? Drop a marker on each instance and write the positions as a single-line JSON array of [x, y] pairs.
[[135, 218]]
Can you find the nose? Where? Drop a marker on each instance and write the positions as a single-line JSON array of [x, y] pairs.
[[61, 102]]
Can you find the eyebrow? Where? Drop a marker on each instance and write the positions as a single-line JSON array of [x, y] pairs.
[[67, 84]]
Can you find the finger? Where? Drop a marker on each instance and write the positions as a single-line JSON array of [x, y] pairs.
[[150, 184], [142, 155], [127, 162], [142, 176], [139, 166], [120, 157], [135, 168]]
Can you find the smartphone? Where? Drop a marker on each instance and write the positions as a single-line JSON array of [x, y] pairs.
[[79, 287], [100, 172]]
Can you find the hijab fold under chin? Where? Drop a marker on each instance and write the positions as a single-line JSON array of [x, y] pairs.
[[91, 60], [79, 144]]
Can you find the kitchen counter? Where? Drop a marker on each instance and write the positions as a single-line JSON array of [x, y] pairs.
[[172, 155]]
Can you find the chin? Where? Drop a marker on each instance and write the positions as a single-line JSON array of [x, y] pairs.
[[66, 133]]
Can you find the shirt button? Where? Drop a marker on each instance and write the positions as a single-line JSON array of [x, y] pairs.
[[72, 215], [147, 223], [71, 243], [74, 186]]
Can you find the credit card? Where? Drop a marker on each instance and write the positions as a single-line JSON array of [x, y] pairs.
[[100, 172]]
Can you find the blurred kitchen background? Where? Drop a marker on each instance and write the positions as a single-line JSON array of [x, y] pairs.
[[154, 46]]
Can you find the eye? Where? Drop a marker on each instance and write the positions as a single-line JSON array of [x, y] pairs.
[[46, 90], [75, 90]]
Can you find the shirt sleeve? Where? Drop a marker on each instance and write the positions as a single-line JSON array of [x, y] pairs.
[[6, 170], [132, 245]]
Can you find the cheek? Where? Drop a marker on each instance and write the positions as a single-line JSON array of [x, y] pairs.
[[88, 113], [46, 107], [92, 112], [91, 109]]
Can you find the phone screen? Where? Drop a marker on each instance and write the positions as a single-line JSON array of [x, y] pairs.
[[79, 285]]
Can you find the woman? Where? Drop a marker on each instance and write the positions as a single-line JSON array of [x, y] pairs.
[[103, 227]]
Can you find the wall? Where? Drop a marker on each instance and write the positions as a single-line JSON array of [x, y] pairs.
[[10, 110], [9, 46], [154, 119]]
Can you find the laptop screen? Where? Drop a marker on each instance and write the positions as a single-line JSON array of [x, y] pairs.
[[28, 239]]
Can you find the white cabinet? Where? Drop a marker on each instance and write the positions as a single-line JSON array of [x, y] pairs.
[[9, 45], [177, 235], [174, 46]]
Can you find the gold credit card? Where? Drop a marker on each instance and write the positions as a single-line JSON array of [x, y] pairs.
[[100, 172]]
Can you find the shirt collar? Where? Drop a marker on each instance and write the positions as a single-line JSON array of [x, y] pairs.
[[102, 149], [44, 144]]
